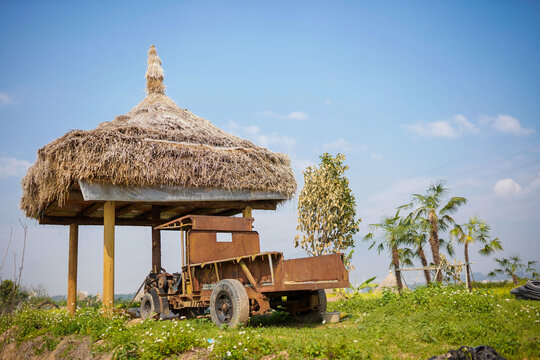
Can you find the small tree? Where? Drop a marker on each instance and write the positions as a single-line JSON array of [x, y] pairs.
[[475, 231], [11, 295], [510, 266], [394, 236], [432, 208], [326, 209]]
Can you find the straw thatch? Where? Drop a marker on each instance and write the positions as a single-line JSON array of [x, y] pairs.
[[389, 282], [157, 143]]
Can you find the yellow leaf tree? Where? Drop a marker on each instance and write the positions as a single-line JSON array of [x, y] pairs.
[[326, 209]]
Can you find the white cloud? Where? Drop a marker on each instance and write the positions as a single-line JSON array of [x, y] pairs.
[[343, 146], [508, 124], [463, 124], [509, 186], [253, 133], [293, 115], [13, 167], [6, 99], [505, 187], [297, 115], [250, 130], [327, 102], [340, 145], [457, 126], [275, 139], [375, 156]]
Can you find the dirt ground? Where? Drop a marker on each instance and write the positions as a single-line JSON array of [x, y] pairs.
[[72, 347]]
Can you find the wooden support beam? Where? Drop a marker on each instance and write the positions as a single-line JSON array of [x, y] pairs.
[[144, 216], [156, 239], [164, 209], [144, 219], [169, 208], [125, 209], [108, 255], [229, 212], [247, 213], [89, 210], [67, 220], [72, 268], [75, 195]]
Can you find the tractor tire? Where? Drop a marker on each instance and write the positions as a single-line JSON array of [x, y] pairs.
[[229, 304], [148, 307], [322, 301]]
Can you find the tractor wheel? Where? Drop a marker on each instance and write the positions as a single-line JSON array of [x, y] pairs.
[[322, 301], [229, 304], [148, 307]]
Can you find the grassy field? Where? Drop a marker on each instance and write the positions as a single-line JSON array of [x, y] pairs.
[[415, 325]]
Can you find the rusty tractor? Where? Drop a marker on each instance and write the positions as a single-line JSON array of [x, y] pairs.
[[235, 280]]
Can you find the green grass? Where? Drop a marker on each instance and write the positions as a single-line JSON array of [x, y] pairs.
[[416, 324]]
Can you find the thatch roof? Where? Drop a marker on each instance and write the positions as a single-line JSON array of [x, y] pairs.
[[155, 144], [389, 282]]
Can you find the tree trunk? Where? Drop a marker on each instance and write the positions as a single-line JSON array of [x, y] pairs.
[[468, 267], [434, 242], [422, 255], [515, 279], [395, 262]]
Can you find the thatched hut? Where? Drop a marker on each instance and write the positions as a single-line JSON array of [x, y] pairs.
[[389, 282], [156, 162]]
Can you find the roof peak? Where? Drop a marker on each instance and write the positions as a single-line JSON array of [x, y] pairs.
[[154, 73]]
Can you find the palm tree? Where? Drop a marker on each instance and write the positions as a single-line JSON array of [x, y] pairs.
[[394, 236], [430, 208], [417, 230], [475, 231], [511, 265]]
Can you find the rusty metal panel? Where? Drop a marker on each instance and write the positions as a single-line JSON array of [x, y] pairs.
[[322, 268], [246, 243], [204, 247], [221, 223], [259, 269]]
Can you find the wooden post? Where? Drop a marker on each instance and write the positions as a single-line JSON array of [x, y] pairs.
[[247, 212], [108, 255], [156, 239], [72, 268]]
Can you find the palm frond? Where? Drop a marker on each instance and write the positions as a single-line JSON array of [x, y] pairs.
[[496, 244], [445, 221], [452, 205], [448, 246], [368, 237]]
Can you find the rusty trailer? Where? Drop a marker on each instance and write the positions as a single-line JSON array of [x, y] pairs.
[[224, 270]]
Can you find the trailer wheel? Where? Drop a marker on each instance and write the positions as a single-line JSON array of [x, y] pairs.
[[148, 307], [229, 303], [322, 301]]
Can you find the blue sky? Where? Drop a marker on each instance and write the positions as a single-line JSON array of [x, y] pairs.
[[409, 92]]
